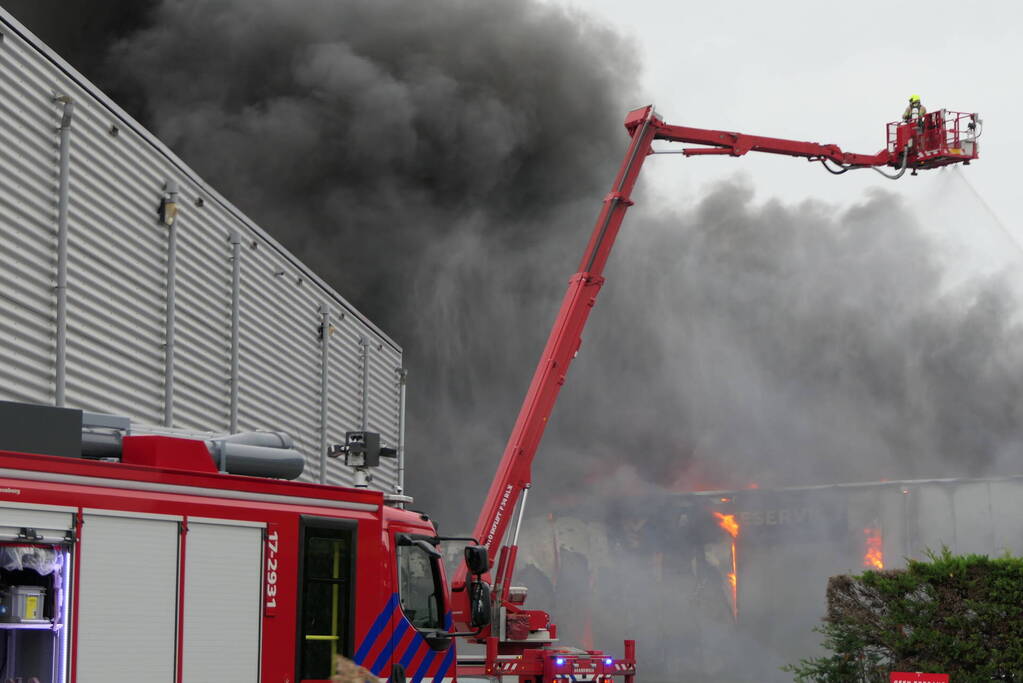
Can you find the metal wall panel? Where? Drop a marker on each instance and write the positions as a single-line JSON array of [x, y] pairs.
[[345, 363], [119, 275], [354, 363], [933, 518], [116, 270], [971, 513], [279, 321], [1007, 516], [203, 358], [28, 190], [383, 395]]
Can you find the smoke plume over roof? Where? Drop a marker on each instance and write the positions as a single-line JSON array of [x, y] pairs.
[[441, 163]]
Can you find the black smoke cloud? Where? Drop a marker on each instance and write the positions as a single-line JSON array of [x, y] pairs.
[[82, 33], [441, 164], [364, 132]]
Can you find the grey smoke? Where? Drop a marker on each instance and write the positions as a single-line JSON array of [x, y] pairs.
[[441, 164], [798, 344], [743, 340]]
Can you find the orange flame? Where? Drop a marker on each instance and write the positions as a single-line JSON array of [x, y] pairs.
[[728, 523], [731, 525], [873, 558], [733, 578]]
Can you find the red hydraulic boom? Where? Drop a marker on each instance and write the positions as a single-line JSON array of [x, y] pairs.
[[518, 641], [937, 139]]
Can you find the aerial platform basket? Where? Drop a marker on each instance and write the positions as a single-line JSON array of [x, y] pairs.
[[936, 139]]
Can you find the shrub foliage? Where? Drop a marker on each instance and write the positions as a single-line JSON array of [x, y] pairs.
[[960, 615]]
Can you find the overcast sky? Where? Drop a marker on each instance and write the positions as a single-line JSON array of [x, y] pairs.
[[836, 73]]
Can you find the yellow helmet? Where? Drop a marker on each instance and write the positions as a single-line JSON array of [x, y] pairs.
[[914, 98]]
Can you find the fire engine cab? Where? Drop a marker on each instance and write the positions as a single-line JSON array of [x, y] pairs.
[[127, 558]]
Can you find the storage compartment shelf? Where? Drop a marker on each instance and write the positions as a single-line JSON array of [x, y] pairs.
[[32, 625]]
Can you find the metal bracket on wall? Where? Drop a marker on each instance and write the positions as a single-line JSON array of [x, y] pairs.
[[168, 209]]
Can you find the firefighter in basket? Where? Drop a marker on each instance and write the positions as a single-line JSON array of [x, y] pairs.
[[915, 110]]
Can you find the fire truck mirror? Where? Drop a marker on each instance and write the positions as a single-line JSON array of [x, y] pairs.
[[476, 559], [422, 544], [479, 603], [427, 548], [437, 640]]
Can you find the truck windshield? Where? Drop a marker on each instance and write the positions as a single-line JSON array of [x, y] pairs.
[[420, 588]]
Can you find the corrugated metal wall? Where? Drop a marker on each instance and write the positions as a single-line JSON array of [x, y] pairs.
[[119, 275], [979, 516]]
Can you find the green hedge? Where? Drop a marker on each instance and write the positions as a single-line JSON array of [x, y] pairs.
[[960, 615]]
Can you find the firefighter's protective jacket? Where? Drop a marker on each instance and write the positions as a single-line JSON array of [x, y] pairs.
[[914, 110]]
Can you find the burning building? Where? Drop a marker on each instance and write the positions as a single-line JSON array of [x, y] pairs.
[[699, 577]]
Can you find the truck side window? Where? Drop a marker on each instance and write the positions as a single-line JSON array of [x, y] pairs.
[[420, 588], [325, 605]]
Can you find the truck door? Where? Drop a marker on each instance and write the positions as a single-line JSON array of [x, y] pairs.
[[128, 598], [326, 595], [223, 586], [420, 645]]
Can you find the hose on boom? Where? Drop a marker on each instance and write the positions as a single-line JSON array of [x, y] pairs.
[[850, 167]]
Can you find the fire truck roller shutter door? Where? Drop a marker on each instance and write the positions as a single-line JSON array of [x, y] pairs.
[[223, 590], [128, 597], [47, 523]]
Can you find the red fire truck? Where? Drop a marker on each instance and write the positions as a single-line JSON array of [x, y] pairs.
[[127, 557], [143, 562]]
